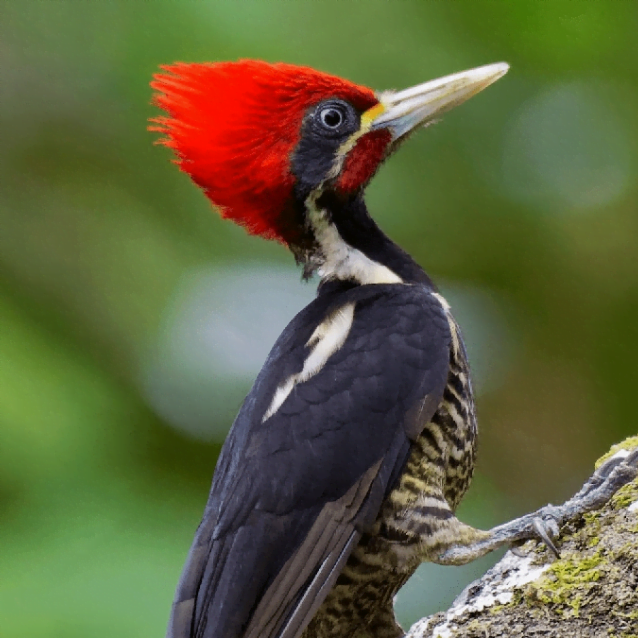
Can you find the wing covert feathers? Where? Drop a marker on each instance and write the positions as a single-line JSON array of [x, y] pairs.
[[292, 494]]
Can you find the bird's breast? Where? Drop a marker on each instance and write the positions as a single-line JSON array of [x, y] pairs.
[[435, 478]]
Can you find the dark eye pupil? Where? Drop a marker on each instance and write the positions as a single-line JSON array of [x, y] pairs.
[[331, 117]]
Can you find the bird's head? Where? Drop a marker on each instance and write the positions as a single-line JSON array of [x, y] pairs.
[[263, 140]]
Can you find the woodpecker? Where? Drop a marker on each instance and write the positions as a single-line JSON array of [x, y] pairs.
[[347, 460]]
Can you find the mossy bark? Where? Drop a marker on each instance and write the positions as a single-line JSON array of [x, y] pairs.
[[590, 592]]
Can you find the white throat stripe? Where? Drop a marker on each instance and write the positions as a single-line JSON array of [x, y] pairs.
[[339, 259]]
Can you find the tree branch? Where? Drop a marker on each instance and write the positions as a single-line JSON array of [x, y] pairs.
[[591, 591]]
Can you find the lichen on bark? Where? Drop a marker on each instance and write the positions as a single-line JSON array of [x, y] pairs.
[[590, 592]]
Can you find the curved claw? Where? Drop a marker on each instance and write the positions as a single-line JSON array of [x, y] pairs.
[[606, 480], [546, 531], [629, 458], [545, 522], [632, 458]]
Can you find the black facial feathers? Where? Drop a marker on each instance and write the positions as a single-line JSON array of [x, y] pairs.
[[325, 128]]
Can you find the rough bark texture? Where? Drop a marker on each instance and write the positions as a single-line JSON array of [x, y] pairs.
[[591, 591]]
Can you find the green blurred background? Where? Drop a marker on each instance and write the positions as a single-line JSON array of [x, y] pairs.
[[133, 319]]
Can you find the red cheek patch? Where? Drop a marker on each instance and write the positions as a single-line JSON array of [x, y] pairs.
[[363, 160]]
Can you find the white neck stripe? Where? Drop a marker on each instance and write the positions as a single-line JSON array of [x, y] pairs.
[[339, 260]]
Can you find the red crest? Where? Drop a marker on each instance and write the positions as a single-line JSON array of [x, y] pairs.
[[233, 127]]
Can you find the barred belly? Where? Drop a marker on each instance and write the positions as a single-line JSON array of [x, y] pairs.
[[415, 519]]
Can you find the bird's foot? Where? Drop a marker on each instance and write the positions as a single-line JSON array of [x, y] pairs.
[[546, 522], [465, 544]]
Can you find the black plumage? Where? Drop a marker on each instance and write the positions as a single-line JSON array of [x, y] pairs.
[[292, 495], [347, 460]]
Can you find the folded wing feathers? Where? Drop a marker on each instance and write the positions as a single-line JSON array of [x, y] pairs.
[[327, 338]]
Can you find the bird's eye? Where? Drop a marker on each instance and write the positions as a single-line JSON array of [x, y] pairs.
[[331, 117]]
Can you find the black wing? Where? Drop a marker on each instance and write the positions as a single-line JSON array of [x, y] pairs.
[[292, 494]]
